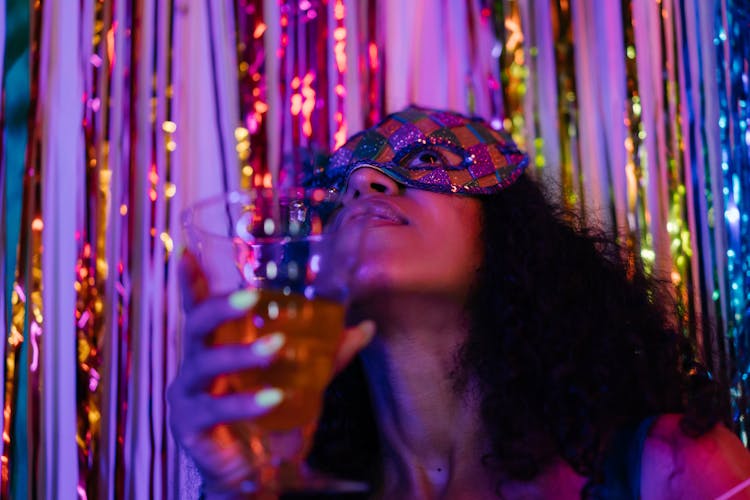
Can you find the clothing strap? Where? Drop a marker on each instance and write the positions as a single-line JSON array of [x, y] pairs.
[[635, 455], [622, 465], [737, 489]]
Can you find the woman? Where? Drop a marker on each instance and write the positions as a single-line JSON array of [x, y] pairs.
[[501, 350]]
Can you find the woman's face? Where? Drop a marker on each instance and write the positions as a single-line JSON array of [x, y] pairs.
[[404, 240]]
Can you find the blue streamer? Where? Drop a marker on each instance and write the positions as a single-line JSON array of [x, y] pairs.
[[16, 86], [733, 57]]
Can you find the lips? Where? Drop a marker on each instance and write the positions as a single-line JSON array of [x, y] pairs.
[[374, 212]]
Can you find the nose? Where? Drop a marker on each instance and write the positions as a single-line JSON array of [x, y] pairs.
[[367, 181]]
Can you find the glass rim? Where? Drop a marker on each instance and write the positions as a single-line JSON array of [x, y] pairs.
[[188, 219]]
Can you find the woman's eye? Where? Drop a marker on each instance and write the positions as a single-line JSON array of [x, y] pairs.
[[426, 158], [429, 158]]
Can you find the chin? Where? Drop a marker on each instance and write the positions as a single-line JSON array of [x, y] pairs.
[[371, 281]]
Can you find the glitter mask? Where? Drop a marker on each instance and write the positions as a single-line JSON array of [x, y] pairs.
[[432, 150]]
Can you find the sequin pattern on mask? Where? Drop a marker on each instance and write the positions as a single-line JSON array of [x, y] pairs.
[[489, 160]]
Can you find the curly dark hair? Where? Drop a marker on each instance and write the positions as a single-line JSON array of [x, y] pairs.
[[569, 342]]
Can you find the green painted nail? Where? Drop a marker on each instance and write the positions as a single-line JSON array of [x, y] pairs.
[[243, 299], [268, 345], [266, 398]]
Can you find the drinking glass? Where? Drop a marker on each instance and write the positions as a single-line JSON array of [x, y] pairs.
[[275, 243]]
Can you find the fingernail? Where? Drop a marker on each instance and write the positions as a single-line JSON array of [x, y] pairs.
[[243, 300], [266, 398], [268, 345], [368, 328]]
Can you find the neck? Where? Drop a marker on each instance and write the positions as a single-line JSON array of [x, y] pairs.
[[431, 432]]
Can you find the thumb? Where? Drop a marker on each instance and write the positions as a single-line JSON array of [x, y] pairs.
[[354, 340]]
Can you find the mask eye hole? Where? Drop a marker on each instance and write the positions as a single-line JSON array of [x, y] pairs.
[[432, 157], [426, 158]]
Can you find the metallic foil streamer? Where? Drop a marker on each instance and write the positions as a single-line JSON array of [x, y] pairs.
[[567, 102], [21, 65], [513, 73], [310, 107], [662, 179], [677, 189], [59, 133], [654, 251], [102, 36], [636, 240], [700, 157], [538, 86], [371, 63], [661, 226], [207, 125], [732, 41], [251, 133], [337, 97], [112, 153], [16, 85], [150, 246], [76, 359], [91, 268], [281, 82], [673, 171]]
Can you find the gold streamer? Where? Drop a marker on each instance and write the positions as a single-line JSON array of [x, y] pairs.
[[677, 226], [638, 234], [513, 70], [571, 180], [91, 266], [669, 159]]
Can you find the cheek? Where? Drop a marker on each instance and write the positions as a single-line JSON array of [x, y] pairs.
[[456, 256], [458, 250]]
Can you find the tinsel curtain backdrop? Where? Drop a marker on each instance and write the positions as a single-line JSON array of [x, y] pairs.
[[116, 114]]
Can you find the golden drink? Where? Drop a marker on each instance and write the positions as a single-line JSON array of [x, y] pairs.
[[304, 365]]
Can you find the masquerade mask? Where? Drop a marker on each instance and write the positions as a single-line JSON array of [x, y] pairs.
[[433, 150]]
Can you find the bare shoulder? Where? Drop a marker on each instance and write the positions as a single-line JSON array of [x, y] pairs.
[[678, 466]]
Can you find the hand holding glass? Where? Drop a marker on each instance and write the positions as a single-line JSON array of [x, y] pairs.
[[274, 247]]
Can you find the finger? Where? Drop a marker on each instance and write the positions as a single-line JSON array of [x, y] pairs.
[[208, 411], [199, 370], [193, 281], [206, 316], [354, 340], [227, 473]]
